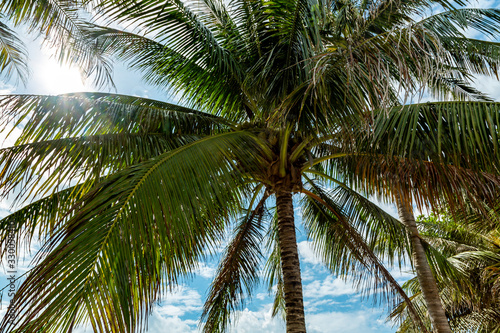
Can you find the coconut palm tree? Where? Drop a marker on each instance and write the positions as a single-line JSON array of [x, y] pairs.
[[467, 273], [128, 194]]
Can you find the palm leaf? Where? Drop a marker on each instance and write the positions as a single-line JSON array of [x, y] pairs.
[[432, 150], [38, 218], [349, 252], [13, 54], [63, 28], [183, 73], [383, 233], [237, 270], [85, 136], [98, 270]]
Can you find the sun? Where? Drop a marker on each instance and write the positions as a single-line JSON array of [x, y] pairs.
[[51, 78]]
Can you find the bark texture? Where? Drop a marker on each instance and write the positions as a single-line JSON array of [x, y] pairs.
[[295, 319], [425, 277]]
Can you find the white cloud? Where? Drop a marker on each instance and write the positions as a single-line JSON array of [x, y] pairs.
[[179, 302], [257, 321], [206, 271], [329, 287], [6, 89], [388, 207], [307, 253], [331, 322], [489, 85], [173, 324], [402, 275]]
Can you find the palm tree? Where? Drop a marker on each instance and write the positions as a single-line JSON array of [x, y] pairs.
[[467, 261], [128, 194]]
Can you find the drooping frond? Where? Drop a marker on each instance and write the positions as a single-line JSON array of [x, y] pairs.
[[273, 272], [238, 270], [383, 233], [126, 230], [474, 56], [453, 23], [13, 54], [349, 253], [37, 219], [431, 151], [405, 58], [85, 136]]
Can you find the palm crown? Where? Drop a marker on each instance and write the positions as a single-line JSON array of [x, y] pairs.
[[280, 100]]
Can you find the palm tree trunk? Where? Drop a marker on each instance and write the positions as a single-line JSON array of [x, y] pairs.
[[290, 266], [425, 277]]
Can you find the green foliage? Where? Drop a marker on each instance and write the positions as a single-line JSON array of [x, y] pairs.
[[128, 194], [469, 287], [13, 54]]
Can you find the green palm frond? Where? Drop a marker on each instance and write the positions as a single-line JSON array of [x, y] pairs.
[[238, 270], [81, 137], [349, 254], [163, 66], [462, 261], [178, 26], [431, 150], [474, 56], [39, 167], [40, 218], [63, 27], [387, 14], [13, 54], [81, 114], [456, 87], [384, 234], [453, 23], [123, 229], [273, 273]]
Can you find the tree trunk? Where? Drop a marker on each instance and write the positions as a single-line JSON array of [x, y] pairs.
[[427, 281], [290, 266]]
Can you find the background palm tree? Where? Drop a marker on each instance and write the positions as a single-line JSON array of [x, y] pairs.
[[466, 264], [133, 192]]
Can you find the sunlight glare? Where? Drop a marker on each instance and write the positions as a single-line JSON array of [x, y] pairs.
[[52, 78]]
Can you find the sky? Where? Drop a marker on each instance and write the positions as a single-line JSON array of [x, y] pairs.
[[331, 304]]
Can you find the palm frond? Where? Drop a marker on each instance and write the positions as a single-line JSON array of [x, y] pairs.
[[178, 26], [473, 55], [13, 54], [238, 270], [112, 258], [453, 23], [61, 23], [349, 253], [79, 137], [384, 234], [81, 114], [37, 219], [43, 167], [433, 150], [183, 73]]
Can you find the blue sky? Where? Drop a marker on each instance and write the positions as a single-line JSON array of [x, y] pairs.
[[332, 305]]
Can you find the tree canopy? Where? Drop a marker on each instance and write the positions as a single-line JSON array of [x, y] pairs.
[[279, 98]]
